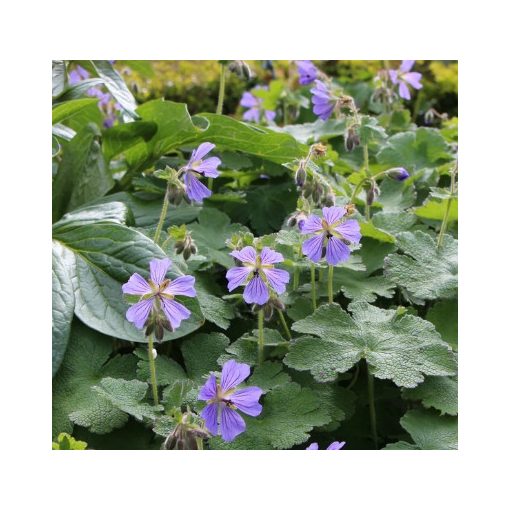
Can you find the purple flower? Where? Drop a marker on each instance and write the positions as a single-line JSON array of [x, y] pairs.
[[158, 294], [307, 71], [254, 113], [259, 272], [333, 446], [323, 101], [223, 400], [404, 77], [332, 235], [198, 166], [399, 173], [77, 75]]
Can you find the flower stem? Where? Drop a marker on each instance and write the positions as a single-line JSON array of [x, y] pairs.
[[366, 164], [261, 337], [162, 216], [295, 279], [371, 407], [312, 281], [284, 324], [152, 365], [444, 224], [221, 93], [354, 377], [330, 284]]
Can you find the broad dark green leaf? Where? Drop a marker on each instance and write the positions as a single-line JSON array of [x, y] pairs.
[[67, 110], [437, 392], [431, 431], [119, 138]]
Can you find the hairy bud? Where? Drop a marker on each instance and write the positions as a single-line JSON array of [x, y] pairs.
[[319, 150], [351, 139], [372, 192], [398, 174], [300, 176], [241, 68]]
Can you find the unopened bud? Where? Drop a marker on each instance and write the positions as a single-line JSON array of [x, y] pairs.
[[429, 117], [319, 150], [241, 68], [329, 199], [372, 193], [351, 139], [179, 247], [301, 174], [317, 192], [398, 174]]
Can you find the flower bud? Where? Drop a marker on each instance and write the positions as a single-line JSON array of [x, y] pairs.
[[179, 247], [291, 222], [351, 139], [300, 174], [317, 192], [372, 193], [319, 150], [329, 199], [429, 117], [398, 174], [241, 68], [350, 209]]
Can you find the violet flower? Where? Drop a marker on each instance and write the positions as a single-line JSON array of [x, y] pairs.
[[398, 173], [258, 271], [78, 74], [198, 166], [333, 446], [223, 400], [307, 71], [255, 111], [158, 294], [403, 77], [332, 235], [323, 101]]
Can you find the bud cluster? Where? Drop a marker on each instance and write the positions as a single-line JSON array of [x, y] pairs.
[[187, 433], [269, 307], [187, 247]]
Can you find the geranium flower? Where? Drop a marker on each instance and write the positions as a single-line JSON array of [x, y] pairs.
[[198, 166], [255, 111], [323, 101], [223, 400], [398, 173], [333, 446], [403, 77], [78, 74], [259, 272], [307, 71], [331, 235], [158, 294]]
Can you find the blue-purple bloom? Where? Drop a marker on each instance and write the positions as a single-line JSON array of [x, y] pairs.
[[158, 294], [333, 446], [254, 105], [403, 77], [198, 166], [223, 399], [78, 74], [259, 272], [307, 71], [398, 173], [323, 101], [332, 235]]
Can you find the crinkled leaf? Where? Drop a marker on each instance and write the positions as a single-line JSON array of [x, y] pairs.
[[436, 209], [370, 130], [314, 131], [183, 392], [393, 222], [437, 392], [431, 431], [68, 442], [167, 370], [269, 375], [396, 196], [444, 316]]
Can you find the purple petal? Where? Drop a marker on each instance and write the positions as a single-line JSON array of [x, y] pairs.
[[413, 79], [311, 225], [208, 390], [136, 285], [252, 115], [237, 276], [350, 229], [393, 76], [277, 278], [403, 91], [202, 150], [210, 415], [195, 190], [336, 251], [233, 374], [336, 445], [270, 115], [320, 89], [231, 424], [174, 311], [313, 446], [208, 167], [182, 286], [139, 312], [323, 111], [159, 269], [307, 71], [256, 291], [248, 100], [269, 256], [312, 247], [247, 400], [333, 214], [406, 66], [247, 254]]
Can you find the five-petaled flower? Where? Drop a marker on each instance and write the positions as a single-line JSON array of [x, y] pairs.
[[323, 101], [254, 105], [332, 235], [259, 271], [307, 71], [333, 446], [198, 166], [223, 399], [403, 77], [158, 295]]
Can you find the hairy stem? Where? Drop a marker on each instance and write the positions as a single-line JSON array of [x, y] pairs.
[[330, 284], [295, 279], [367, 172], [371, 407], [221, 92], [162, 216], [261, 337], [152, 365], [284, 324], [312, 281], [444, 224]]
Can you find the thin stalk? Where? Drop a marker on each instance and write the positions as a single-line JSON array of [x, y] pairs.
[[295, 279], [261, 337], [284, 324], [444, 224], [371, 407], [162, 216], [221, 92], [367, 171], [330, 284], [354, 377], [152, 365], [312, 281]]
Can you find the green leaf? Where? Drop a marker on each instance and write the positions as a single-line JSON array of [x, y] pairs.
[[444, 316], [119, 138], [65, 111], [431, 431], [110, 212], [393, 222], [374, 252], [369, 230], [86, 363], [401, 445], [269, 375], [167, 370], [436, 209], [68, 442], [214, 309], [425, 271], [183, 392], [62, 310], [358, 286], [78, 90], [396, 196], [116, 86], [397, 346], [82, 176], [314, 131], [58, 77], [370, 130], [201, 353], [437, 392]]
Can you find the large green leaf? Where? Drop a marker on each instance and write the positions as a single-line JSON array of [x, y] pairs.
[[119, 138], [436, 209], [397, 346], [445, 317], [65, 111], [425, 271], [311, 132], [437, 392]]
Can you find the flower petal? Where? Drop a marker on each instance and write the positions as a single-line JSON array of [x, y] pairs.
[[236, 276], [208, 167], [277, 278], [252, 115], [403, 91], [406, 65], [208, 390], [139, 312], [313, 446], [413, 79], [269, 256], [182, 286], [174, 311], [210, 415], [231, 424], [350, 229], [247, 254], [312, 247], [136, 285], [247, 400], [307, 71], [159, 269], [270, 115], [233, 374], [333, 214], [256, 291], [336, 251], [336, 445], [311, 225], [248, 100], [202, 150], [393, 76], [195, 190]]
